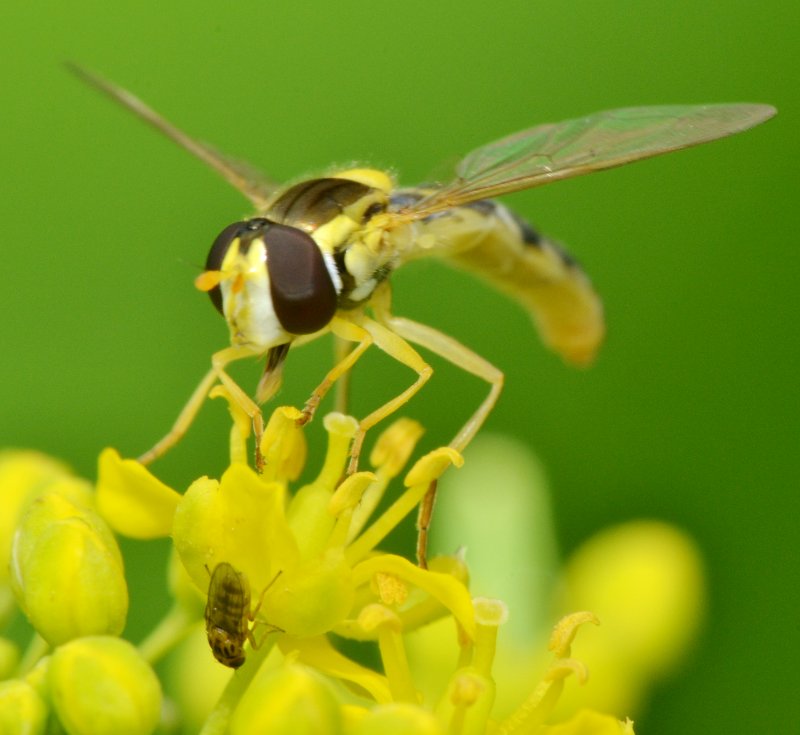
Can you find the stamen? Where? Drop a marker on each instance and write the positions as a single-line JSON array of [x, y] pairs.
[[489, 616], [393, 653]]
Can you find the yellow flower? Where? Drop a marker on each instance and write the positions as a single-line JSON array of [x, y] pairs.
[[307, 586]]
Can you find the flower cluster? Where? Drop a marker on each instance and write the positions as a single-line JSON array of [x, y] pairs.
[[313, 588]]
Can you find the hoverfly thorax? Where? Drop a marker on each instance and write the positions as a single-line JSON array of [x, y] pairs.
[[271, 282]]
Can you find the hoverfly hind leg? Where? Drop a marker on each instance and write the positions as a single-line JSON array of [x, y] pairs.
[[460, 356]]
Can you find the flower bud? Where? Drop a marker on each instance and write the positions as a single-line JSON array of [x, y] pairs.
[[22, 710], [24, 476], [644, 580], [67, 571], [102, 686], [291, 700], [9, 658]]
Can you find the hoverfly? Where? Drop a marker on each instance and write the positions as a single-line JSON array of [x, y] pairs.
[[228, 614], [317, 256]]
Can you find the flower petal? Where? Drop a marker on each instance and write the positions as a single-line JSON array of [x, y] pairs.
[[239, 520], [132, 500], [318, 653]]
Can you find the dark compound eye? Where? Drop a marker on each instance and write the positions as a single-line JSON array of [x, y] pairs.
[[217, 254], [247, 231], [303, 294]]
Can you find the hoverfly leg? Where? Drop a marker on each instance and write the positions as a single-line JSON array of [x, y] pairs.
[[394, 346], [350, 332], [461, 356], [183, 422], [342, 348], [219, 360], [424, 517]]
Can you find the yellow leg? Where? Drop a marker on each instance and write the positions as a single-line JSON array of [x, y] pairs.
[[394, 346], [347, 331], [456, 353], [461, 356], [364, 332], [219, 360], [342, 349]]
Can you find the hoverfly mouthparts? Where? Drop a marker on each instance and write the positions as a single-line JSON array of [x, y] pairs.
[[301, 284]]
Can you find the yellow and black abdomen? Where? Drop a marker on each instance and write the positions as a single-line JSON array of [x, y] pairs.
[[487, 239]]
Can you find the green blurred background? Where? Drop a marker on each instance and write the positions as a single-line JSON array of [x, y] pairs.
[[689, 415]]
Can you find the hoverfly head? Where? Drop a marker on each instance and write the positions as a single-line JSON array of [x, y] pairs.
[[270, 281]]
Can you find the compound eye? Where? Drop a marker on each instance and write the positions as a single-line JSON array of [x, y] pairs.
[[303, 294], [217, 255], [247, 231]]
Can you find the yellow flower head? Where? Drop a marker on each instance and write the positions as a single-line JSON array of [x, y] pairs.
[[280, 579]]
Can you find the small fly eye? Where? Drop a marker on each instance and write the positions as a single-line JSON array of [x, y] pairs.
[[303, 294]]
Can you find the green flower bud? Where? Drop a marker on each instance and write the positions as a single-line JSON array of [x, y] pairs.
[[291, 700], [102, 686], [22, 710], [67, 571], [398, 719]]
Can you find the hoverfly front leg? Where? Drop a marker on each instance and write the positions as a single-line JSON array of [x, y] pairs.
[[219, 361]]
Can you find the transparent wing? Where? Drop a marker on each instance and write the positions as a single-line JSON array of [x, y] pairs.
[[248, 180], [605, 139]]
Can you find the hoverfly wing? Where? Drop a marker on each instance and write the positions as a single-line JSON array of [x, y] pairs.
[[242, 176], [575, 147]]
